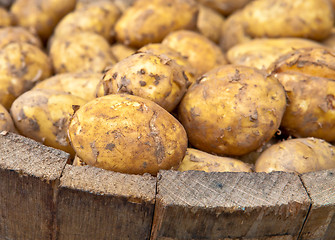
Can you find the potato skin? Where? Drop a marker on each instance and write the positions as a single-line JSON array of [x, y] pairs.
[[225, 7], [6, 122], [261, 53], [149, 21], [18, 34], [81, 84], [121, 51], [299, 155], [41, 16], [311, 106], [201, 161], [161, 49], [154, 77], [5, 18], [232, 110], [44, 115], [98, 17], [128, 134], [80, 52], [202, 53], [311, 19]]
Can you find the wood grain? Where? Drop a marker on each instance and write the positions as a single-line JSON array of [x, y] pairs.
[[199, 205], [98, 204], [320, 223], [29, 173]]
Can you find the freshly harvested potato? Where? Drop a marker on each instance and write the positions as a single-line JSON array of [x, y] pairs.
[[98, 17], [80, 52], [311, 19], [5, 18], [41, 16], [210, 23], [232, 110], [201, 161], [225, 7], [299, 155], [161, 49], [81, 84], [260, 53], [318, 62], [121, 51], [311, 106], [22, 65], [44, 115], [18, 34], [154, 77], [128, 134], [6, 122], [149, 21], [202, 53]]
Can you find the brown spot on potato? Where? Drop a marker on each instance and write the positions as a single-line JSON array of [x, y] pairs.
[[254, 116], [157, 78], [143, 83], [142, 71], [110, 146], [145, 164], [95, 151], [114, 75], [21, 116], [194, 158], [236, 77], [75, 108], [2, 116], [154, 132], [330, 101], [34, 125]]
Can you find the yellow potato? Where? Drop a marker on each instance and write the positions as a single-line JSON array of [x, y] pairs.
[[98, 17], [202, 161], [225, 7], [5, 18], [44, 115], [128, 134], [121, 51], [311, 105], [149, 21], [330, 40], [161, 49], [22, 65], [311, 19], [210, 23], [6, 122], [82, 84], [41, 16], [299, 155], [18, 34], [232, 110], [260, 53], [318, 62], [80, 52], [154, 77], [202, 53]]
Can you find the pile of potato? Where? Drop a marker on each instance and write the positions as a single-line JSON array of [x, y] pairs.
[[139, 86]]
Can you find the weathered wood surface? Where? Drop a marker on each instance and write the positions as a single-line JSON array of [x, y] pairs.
[[199, 205], [320, 223], [28, 178], [99, 204]]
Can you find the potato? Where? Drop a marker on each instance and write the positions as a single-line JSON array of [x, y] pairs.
[[121, 51], [311, 106], [5, 18], [154, 77], [225, 7], [78, 161], [232, 110], [299, 155], [80, 52], [161, 49], [202, 53], [311, 19], [319, 62], [128, 134], [260, 53], [82, 84], [18, 34], [22, 65], [98, 17], [41, 16], [202, 161], [149, 21], [210, 23], [44, 115], [330, 40], [6, 122]]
